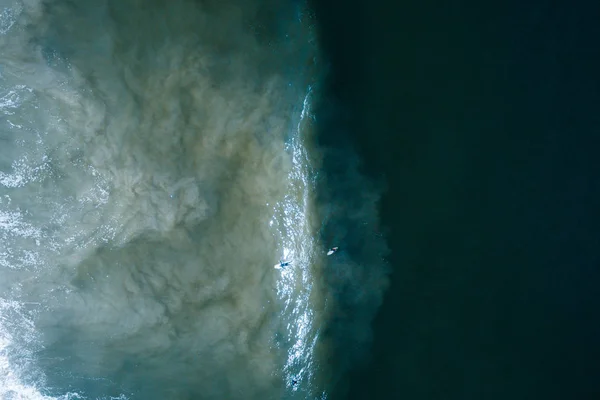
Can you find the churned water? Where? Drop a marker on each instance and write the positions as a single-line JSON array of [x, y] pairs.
[[157, 158]]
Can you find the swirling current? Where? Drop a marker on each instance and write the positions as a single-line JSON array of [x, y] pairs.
[[157, 158]]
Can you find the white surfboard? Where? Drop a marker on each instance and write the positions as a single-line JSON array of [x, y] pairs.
[[332, 250]]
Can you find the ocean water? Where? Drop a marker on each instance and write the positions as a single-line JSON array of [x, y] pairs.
[[157, 158]]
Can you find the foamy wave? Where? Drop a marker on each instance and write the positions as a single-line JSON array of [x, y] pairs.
[[17, 347], [138, 168]]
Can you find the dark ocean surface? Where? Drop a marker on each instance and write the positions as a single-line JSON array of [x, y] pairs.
[[483, 120]]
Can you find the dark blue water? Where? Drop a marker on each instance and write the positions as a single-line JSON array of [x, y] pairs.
[[484, 122]]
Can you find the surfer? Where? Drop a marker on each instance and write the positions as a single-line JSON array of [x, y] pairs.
[[332, 250], [282, 264]]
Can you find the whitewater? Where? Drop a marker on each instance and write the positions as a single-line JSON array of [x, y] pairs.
[[156, 159]]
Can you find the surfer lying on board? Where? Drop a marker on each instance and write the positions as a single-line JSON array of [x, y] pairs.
[[282, 264]]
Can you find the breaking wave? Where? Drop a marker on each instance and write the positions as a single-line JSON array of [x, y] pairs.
[[156, 159]]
